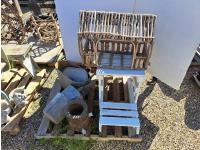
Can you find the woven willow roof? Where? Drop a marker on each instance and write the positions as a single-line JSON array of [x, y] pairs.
[[117, 24]]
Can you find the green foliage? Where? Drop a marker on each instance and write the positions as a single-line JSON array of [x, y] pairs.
[[31, 147], [43, 141], [66, 144]]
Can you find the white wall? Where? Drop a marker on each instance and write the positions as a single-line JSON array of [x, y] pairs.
[[177, 31], [177, 37]]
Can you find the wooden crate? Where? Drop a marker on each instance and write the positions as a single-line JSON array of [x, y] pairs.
[[20, 78], [48, 129]]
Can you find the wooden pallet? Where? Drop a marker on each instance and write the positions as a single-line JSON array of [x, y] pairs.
[[20, 78], [47, 129]]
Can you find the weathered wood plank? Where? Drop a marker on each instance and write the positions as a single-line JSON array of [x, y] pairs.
[[131, 91], [94, 137], [45, 121], [131, 132], [16, 51], [6, 78], [104, 128], [13, 125], [14, 83], [3, 65], [51, 55], [120, 72], [120, 121], [113, 105], [116, 98], [125, 86], [35, 82], [91, 96], [24, 81], [125, 113]]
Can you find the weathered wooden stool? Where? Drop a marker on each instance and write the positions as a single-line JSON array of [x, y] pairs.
[[21, 53]]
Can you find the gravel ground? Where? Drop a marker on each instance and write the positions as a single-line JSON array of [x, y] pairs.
[[170, 120]]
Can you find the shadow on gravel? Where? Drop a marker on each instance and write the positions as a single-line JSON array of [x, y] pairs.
[[191, 92], [192, 113], [192, 108], [177, 95], [148, 129]]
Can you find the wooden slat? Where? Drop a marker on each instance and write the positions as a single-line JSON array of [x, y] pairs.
[[99, 58], [125, 86], [45, 121], [127, 106], [104, 131], [111, 60], [3, 65], [14, 83], [120, 121], [120, 72], [131, 130], [94, 137], [104, 128], [16, 50], [35, 82], [91, 96], [116, 92], [116, 97], [6, 78], [24, 81], [131, 90], [106, 88], [122, 113]]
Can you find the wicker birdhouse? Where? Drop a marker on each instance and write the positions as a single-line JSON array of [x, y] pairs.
[[116, 40]]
